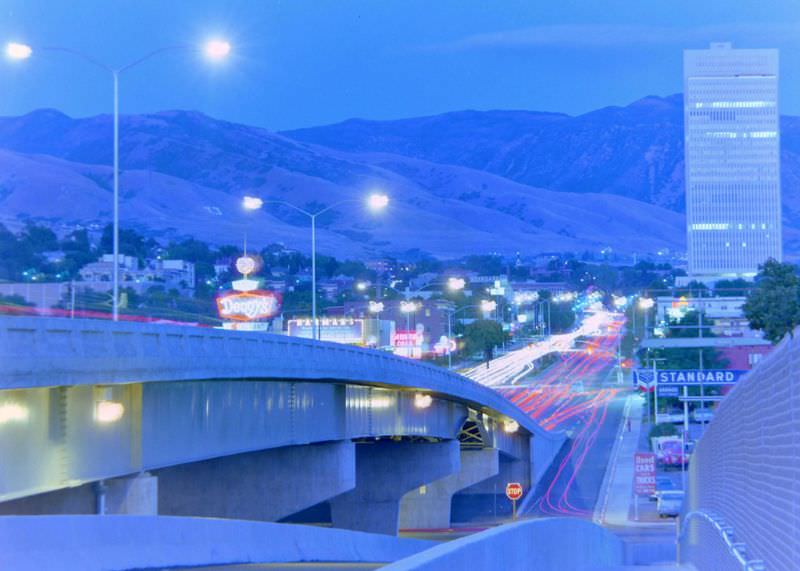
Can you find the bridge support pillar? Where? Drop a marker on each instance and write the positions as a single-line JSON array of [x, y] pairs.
[[134, 495], [385, 471], [268, 485], [429, 506]]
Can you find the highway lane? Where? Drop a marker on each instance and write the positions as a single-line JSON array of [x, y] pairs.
[[515, 365], [578, 394]]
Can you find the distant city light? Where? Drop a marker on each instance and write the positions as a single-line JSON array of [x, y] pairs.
[[488, 305], [408, 306], [18, 51], [252, 203], [217, 49], [377, 201], [375, 306], [646, 303], [362, 286], [456, 284]]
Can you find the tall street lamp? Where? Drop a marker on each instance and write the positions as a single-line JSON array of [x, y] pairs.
[[375, 202], [214, 50]]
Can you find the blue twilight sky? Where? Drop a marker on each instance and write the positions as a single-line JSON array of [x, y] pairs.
[[308, 62]]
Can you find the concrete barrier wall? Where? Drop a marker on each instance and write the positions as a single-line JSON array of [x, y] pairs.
[[116, 543], [561, 544], [746, 467], [44, 352]]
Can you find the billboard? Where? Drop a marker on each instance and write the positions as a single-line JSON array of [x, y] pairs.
[[408, 343], [644, 473], [336, 329], [248, 305]]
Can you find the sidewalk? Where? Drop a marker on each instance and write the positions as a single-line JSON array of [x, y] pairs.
[[615, 507]]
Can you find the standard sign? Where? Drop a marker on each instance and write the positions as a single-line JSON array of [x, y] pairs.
[[513, 491], [644, 473], [644, 377]]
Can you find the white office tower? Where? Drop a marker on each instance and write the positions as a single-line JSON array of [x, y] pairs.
[[732, 137]]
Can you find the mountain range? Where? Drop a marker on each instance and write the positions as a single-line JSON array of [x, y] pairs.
[[463, 182]]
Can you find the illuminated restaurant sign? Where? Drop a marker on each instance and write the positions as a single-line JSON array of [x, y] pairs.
[[248, 306]]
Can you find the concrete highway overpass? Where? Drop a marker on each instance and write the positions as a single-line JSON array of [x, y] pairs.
[[134, 418]]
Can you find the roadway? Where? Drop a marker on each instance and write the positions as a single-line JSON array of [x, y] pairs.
[[515, 365], [578, 394], [309, 566]]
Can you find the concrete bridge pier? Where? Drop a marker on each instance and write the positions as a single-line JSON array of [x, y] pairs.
[[136, 494], [385, 472], [267, 485], [429, 506]]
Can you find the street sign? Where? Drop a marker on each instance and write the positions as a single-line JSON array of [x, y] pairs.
[[644, 473], [712, 398], [513, 491], [668, 391], [691, 377]]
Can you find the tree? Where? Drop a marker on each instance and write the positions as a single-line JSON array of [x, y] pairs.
[[735, 287], [483, 335], [774, 305], [131, 243]]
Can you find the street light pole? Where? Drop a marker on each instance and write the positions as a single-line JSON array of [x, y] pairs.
[[449, 339], [314, 324], [214, 49], [375, 202], [115, 291]]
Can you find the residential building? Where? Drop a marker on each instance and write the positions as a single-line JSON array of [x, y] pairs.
[[732, 151]]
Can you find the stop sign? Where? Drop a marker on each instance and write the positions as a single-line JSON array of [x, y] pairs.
[[513, 491]]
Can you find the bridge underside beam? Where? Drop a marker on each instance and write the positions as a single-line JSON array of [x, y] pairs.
[[267, 485], [429, 506], [385, 472]]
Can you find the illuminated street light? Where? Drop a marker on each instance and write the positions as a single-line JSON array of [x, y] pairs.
[[215, 49], [646, 303], [375, 306], [408, 306], [487, 305], [252, 203], [362, 286], [15, 50], [377, 201]]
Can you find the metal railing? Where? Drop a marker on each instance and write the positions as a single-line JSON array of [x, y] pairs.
[[736, 549]]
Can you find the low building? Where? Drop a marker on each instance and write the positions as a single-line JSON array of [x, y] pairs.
[[170, 274], [417, 332], [727, 313]]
